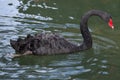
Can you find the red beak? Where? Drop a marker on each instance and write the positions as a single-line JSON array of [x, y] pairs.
[[110, 23]]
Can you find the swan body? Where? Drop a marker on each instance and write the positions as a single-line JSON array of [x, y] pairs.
[[52, 43]]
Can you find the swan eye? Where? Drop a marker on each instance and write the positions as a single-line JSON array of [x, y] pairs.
[[110, 23]]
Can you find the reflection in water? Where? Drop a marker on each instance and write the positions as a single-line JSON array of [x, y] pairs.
[[8, 8], [56, 67], [22, 17]]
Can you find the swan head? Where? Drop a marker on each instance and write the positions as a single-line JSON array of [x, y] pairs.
[[108, 18]]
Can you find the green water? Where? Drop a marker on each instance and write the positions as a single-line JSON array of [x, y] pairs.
[[22, 17]]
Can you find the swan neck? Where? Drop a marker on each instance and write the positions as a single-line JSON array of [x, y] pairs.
[[87, 39]]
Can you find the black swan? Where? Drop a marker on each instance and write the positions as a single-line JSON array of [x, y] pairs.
[[51, 43]]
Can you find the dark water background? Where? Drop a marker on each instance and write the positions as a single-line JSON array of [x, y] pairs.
[[22, 17]]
